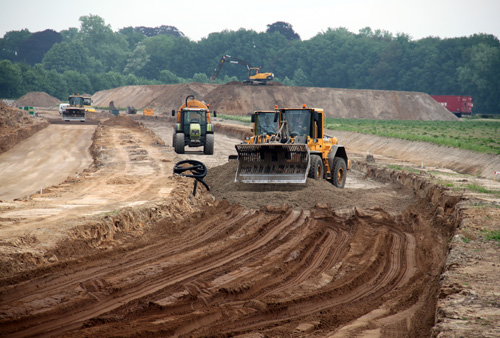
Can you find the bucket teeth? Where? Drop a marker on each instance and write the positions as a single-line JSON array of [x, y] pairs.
[[272, 163]]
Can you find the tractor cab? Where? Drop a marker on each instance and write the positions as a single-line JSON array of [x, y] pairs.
[[193, 127]]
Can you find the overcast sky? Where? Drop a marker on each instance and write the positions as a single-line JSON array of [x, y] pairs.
[[198, 18]]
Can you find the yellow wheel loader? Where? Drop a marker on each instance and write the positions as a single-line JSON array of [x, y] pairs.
[[75, 110], [297, 149]]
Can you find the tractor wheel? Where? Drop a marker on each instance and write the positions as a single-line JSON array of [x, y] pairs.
[[209, 144], [179, 143], [317, 169], [339, 172]]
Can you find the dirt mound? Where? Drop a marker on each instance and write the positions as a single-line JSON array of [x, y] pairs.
[[37, 99], [16, 125], [304, 196], [161, 98], [343, 103], [121, 121], [235, 98]]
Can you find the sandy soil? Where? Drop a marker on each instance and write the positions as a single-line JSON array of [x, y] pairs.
[[65, 147], [124, 249]]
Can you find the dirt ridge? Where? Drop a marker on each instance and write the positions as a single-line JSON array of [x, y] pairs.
[[238, 99]]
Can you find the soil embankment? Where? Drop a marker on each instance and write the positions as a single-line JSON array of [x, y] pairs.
[[17, 125], [238, 99]]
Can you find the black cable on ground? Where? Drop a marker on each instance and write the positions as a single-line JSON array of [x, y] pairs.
[[197, 170]]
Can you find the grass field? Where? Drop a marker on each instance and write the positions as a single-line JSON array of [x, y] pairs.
[[481, 135]]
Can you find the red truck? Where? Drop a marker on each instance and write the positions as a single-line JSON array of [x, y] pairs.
[[458, 105]]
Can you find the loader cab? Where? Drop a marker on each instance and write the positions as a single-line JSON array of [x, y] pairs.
[[298, 122], [266, 122], [303, 122], [76, 101]]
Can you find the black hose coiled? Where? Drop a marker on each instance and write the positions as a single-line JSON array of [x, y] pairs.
[[197, 171]]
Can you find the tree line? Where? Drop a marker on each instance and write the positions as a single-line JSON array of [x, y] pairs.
[[94, 57]]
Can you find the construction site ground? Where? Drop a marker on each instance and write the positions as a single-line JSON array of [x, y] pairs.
[[117, 246]]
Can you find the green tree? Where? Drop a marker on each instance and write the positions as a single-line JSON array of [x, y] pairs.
[[108, 47], [10, 80], [300, 78], [201, 78], [32, 49], [56, 85], [66, 56], [69, 34], [479, 76], [9, 45], [138, 60], [77, 83], [283, 28], [35, 79], [132, 36], [168, 77]]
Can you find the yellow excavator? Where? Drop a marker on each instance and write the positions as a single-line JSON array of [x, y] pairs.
[[254, 74], [295, 149]]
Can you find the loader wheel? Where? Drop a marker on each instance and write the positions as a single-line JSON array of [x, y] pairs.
[[209, 144], [179, 143], [339, 172], [317, 168]]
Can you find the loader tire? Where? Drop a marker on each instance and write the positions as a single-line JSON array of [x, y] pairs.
[[339, 172], [209, 144], [317, 169], [179, 143]]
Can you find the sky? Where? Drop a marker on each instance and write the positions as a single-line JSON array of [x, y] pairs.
[[198, 18]]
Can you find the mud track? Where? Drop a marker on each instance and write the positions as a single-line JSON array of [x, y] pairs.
[[362, 261]]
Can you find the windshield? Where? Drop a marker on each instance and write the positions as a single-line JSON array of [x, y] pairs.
[[76, 101], [298, 121], [266, 124], [194, 116]]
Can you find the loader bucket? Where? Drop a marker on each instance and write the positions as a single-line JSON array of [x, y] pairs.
[[272, 163]]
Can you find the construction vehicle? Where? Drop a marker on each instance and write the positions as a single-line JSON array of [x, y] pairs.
[[75, 111], [299, 149], [193, 127], [87, 103], [254, 74]]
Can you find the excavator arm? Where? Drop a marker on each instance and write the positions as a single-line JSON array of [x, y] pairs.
[[230, 59]]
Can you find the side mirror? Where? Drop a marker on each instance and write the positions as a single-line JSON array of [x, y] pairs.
[[173, 112], [215, 113], [252, 118]]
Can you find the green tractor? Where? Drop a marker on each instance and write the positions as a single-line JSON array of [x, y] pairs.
[[193, 127]]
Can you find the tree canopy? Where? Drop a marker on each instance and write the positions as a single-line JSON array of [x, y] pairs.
[[93, 57]]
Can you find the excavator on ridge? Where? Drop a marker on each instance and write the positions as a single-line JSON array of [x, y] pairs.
[[254, 74]]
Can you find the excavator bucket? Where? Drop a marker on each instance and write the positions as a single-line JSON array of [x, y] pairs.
[[272, 163]]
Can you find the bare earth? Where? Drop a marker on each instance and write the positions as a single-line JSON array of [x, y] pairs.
[[122, 248]]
